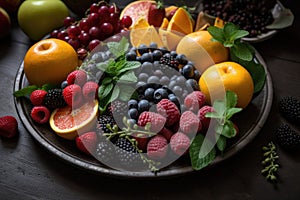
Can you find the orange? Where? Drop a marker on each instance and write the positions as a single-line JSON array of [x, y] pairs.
[[69, 123], [164, 24], [137, 10], [227, 76], [181, 22], [200, 49], [49, 61]]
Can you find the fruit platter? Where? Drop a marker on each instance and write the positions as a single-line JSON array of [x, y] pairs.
[[134, 97]]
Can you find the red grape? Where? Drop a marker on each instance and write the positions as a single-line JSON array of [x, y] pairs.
[[107, 28], [54, 33], [114, 9], [62, 34], [84, 38], [95, 32], [114, 18], [84, 25], [103, 12], [74, 31], [126, 21], [94, 8], [74, 43], [68, 21], [93, 19], [93, 44]]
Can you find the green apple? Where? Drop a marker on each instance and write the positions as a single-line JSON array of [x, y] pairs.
[[39, 17]]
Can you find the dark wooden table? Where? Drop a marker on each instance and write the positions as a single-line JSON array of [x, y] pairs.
[[27, 171]]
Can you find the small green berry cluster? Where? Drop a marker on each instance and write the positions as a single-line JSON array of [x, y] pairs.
[[270, 162]]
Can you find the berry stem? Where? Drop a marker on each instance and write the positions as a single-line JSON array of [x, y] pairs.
[[269, 162]]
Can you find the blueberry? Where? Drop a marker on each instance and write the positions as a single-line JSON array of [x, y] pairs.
[[157, 54], [197, 75], [147, 67], [160, 94], [149, 94], [153, 45], [173, 98], [173, 54], [177, 90], [181, 58], [64, 84], [132, 103], [153, 79], [143, 77], [180, 80], [142, 49], [172, 84], [133, 113], [147, 57], [164, 80], [156, 64], [140, 86], [131, 122], [131, 56], [188, 71], [158, 73], [192, 83], [163, 50], [143, 105]]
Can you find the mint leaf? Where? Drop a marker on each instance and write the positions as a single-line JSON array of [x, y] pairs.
[[125, 92], [228, 129], [238, 34], [104, 90], [48, 87], [118, 48], [130, 65], [115, 93], [229, 29], [231, 99], [232, 111], [202, 152], [217, 33], [25, 91], [219, 107], [106, 80], [221, 143], [102, 66], [241, 51], [128, 77], [214, 115]]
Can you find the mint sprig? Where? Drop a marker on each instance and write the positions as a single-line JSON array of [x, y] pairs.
[[241, 52], [26, 91], [118, 74]]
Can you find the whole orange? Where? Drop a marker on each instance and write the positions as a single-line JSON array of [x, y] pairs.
[[199, 48], [227, 76], [49, 61]]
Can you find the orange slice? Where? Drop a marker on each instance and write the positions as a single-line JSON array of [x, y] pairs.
[[170, 39], [69, 123], [150, 36], [138, 30], [137, 10], [181, 22], [164, 24]]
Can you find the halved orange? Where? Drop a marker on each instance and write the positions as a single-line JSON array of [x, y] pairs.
[[181, 22], [69, 123], [137, 9]]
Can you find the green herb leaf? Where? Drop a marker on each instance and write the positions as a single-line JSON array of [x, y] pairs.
[[48, 87], [118, 48], [231, 99], [228, 130], [25, 91], [115, 93], [202, 152], [221, 143], [125, 92], [217, 33], [214, 115], [128, 77], [232, 111], [105, 90], [229, 29], [106, 80], [102, 65], [130, 65], [241, 51], [238, 34], [219, 107]]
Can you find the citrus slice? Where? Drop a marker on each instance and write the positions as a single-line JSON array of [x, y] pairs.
[[69, 123], [170, 39], [164, 24], [181, 22], [138, 30], [137, 10], [150, 36]]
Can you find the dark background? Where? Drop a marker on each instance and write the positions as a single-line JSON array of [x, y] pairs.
[[27, 171]]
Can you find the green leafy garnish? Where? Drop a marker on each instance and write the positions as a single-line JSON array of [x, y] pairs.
[[202, 150], [223, 111], [269, 163], [118, 71], [29, 89], [241, 52]]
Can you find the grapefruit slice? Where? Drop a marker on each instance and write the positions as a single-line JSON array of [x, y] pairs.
[[181, 22], [137, 9], [69, 123]]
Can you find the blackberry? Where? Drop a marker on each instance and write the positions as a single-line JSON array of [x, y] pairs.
[[289, 107], [127, 153], [287, 138], [118, 108], [54, 99], [103, 120], [170, 60], [105, 152]]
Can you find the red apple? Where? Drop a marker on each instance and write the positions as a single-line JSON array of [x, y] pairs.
[[4, 23], [10, 5]]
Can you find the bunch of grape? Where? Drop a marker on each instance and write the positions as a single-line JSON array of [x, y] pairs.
[[100, 22], [250, 15]]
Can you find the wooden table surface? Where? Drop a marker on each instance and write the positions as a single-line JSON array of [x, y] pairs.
[[28, 171]]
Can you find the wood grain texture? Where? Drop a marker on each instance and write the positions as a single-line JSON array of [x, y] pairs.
[[29, 172]]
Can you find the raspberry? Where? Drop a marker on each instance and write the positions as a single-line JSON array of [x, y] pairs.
[[78, 77], [157, 121], [142, 141], [8, 126], [90, 90], [37, 97], [189, 123], [201, 114], [157, 147], [73, 95], [289, 107], [194, 101], [180, 143], [87, 142], [169, 110], [54, 99], [166, 133], [287, 138], [40, 114]]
